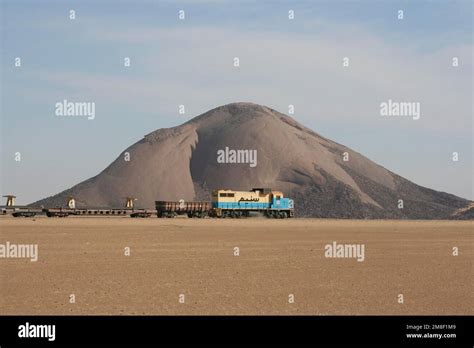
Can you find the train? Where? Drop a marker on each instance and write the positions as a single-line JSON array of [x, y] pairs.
[[225, 203], [232, 204]]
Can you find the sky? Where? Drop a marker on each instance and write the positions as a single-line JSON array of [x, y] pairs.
[[190, 62]]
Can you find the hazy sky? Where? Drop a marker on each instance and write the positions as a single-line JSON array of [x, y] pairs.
[[190, 62]]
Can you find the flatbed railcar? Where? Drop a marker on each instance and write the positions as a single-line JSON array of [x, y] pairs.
[[20, 211], [64, 212], [26, 213], [143, 213]]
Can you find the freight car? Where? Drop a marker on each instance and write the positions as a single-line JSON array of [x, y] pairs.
[[232, 204], [26, 213], [191, 209], [19, 211], [64, 212]]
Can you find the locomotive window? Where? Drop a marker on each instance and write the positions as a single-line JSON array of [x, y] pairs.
[[277, 197], [222, 194], [230, 195]]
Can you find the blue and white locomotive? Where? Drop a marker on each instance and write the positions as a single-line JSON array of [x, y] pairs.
[[229, 203]]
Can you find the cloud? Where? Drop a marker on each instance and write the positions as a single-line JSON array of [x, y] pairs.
[[193, 65]]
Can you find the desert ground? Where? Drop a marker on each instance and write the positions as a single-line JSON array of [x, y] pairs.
[[196, 257]]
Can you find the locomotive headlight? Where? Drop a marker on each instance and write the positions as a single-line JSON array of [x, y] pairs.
[[291, 203]]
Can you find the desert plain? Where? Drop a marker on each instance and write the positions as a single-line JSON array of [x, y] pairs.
[[254, 266]]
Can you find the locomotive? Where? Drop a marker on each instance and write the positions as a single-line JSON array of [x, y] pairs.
[[232, 204], [229, 203]]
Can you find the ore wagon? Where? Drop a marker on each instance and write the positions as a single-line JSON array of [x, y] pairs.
[[191, 209]]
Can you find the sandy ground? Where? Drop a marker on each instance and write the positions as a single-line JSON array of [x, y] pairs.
[[169, 257]]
